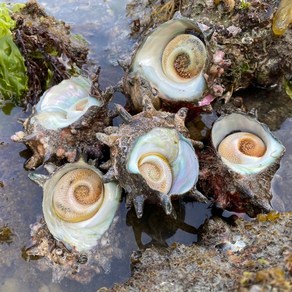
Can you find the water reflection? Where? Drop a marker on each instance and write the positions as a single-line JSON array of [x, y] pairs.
[[158, 229]]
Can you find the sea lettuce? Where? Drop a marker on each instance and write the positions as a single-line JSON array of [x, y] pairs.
[[13, 77]]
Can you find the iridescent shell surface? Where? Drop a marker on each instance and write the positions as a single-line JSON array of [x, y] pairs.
[[81, 233], [65, 121], [171, 60], [178, 152], [63, 104], [151, 157]]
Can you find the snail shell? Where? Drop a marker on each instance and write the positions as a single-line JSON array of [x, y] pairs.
[[172, 59], [78, 195], [64, 103], [242, 148], [151, 157], [166, 160], [234, 132], [183, 58], [157, 172], [78, 208]]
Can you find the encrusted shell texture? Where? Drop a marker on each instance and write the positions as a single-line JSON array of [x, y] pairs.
[[235, 178], [151, 157], [65, 120]]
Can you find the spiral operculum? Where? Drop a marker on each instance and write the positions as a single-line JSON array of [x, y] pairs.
[[78, 206], [242, 148], [78, 195], [157, 172], [184, 58]]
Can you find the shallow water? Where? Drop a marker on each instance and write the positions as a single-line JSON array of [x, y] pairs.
[[105, 26]]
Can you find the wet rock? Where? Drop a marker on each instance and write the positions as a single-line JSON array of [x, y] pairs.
[[51, 254], [248, 256]]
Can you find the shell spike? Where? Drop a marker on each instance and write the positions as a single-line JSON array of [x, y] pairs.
[[198, 196], [147, 104], [50, 167], [127, 118], [208, 34], [108, 140], [111, 130], [138, 205], [81, 154], [39, 179], [33, 162], [106, 165], [181, 115], [47, 156], [109, 176], [182, 112], [107, 95], [166, 204], [197, 144], [31, 137]]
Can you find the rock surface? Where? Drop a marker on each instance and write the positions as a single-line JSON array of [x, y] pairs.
[[249, 256]]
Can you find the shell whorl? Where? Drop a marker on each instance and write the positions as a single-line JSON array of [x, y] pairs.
[[242, 148], [157, 172], [184, 58], [78, 195]]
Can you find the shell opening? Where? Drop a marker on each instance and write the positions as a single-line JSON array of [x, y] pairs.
[[78, 195], [157, 172], [241, 147], [184, 58]]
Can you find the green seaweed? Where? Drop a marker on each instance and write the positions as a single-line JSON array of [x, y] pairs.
[[13, 77], [244, 4]]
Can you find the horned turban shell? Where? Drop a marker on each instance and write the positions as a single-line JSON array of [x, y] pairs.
[[172, 59], [244, 144], [78, 207], [166, 160], [63, 104]]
